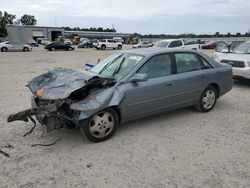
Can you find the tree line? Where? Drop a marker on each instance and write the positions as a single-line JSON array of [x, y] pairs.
[[190, 35], [6, 18], [98, 29]]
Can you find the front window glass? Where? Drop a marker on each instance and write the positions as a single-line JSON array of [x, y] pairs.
[[117, 65], [157, 66], [242, 49], [161, 44], [221, 46]]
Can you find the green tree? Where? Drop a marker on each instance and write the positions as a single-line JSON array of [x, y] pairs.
[[28, 20], [5, 18], [217, 34], [238, 34]]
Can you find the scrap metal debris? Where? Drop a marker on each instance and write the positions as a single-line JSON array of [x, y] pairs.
[[33, 145], [5, 153], [8, 146]]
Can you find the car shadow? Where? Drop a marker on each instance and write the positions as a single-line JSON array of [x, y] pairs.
[[74, 138], [243, 83]]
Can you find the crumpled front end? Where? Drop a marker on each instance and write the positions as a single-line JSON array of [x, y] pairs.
[[56, 95]]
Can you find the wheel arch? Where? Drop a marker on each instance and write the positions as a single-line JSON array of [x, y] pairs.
[[217, 87], [118, 111]]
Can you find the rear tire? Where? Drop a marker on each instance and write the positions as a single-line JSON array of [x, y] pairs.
[[119, 47], [52, 49], [25, 49], [207, 100], [101, 126], [4, 49]]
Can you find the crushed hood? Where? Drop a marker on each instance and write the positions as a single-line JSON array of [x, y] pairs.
[[59, 83]]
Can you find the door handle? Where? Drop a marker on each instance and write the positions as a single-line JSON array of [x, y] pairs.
[[169, 84]]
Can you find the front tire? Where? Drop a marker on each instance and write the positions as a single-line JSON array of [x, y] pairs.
[[101, 126], [4, 49], [119, 47], [207, 100]]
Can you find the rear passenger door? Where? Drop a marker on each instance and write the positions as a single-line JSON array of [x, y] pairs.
[[191, 76], [111, 43]]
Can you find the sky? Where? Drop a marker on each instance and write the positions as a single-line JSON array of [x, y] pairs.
[[141, 16]]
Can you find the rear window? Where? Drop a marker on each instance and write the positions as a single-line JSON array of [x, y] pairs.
[[176, 43]]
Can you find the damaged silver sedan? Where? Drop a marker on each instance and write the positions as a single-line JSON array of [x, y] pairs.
[[126, 85]]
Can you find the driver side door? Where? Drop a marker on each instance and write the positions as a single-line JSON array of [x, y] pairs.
[[148, 97]]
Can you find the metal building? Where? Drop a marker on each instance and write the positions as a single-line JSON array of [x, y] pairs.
[[26, 33], [17, 33], [96, 35]]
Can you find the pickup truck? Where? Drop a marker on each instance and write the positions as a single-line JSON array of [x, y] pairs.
[[176, 44], [108, 43]]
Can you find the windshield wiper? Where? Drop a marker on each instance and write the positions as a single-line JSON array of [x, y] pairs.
[[110, 63], [118, 68]]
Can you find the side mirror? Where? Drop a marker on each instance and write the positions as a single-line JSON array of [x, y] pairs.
[[139, 78]]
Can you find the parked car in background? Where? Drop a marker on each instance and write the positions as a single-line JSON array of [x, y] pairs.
[[45, 41], [175, 44], [82, 39], [238, 58], [68, 41], [118, 39], [33, 43], [210, 45], [95, 42], [126, 85], [144, 44], [108, 43], [57, 45], [227, 46], [7, 46], [85, 44]]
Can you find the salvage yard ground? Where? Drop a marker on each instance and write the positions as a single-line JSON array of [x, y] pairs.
[[182, 148]]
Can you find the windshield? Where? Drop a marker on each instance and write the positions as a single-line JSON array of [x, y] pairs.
[[161, 44], [242, 48], [117, 65]]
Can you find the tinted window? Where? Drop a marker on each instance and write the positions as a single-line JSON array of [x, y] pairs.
[[176, 43], [112, 41], [157, 66], [186, 62]]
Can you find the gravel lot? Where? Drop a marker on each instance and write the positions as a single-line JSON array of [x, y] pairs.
[[182, 148]]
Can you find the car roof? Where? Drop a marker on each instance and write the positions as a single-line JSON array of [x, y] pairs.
[[168, 40], [153, 51]]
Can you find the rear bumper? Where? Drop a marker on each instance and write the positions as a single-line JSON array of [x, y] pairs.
[[242, 73]]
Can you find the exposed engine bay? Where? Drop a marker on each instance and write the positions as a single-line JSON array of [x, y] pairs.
[[53, 94]]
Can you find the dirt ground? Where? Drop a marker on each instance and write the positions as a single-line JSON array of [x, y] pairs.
[[182, 148]]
